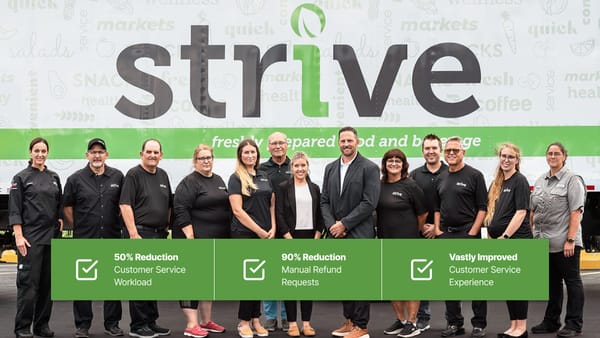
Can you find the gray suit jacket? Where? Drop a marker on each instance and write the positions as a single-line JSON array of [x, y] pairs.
[[358, 198]]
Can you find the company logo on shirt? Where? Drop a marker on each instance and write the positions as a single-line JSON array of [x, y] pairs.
[[13, 186], [164, 186], [506, 190], [54, 182], [264, 180], [461, 184], [222, 188], [397, 193], [114, 185]]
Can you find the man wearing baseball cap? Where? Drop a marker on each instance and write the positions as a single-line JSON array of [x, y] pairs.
[[91, 205]]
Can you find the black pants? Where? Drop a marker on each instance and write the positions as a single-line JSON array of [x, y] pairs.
[[249, 309], [453, 307], [517, 309], [454, 314], [357, 311], [144, 312], [567, 269], [33, 289], [83, 314], [291, 308]]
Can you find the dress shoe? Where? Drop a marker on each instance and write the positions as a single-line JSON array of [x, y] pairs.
[[44, 332], [544, 327], [566, 333]]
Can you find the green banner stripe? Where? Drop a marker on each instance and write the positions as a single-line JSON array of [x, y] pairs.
[[179, 143]]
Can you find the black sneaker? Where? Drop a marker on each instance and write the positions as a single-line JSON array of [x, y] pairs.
[[24, 334], [423, 325], [395, 328], [143, 332], [478, 332], [161, 331], [81, 333], [409, 330], [453, 330], [545, 327], [114, 331]]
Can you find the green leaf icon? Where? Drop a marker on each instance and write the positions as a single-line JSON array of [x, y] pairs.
[[301, 17]]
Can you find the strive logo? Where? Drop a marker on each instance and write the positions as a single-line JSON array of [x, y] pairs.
[[307, 21]]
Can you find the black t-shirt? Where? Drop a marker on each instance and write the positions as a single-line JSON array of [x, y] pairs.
[[149, 195], [202, 202], [34, 203], [95, 202], [460, 196], [514, 196], [257, 205], [399, 204], [427, 180]]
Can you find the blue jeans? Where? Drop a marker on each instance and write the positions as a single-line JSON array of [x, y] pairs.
[[270, 307], [424, 311]]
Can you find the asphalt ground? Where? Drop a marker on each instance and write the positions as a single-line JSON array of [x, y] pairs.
[[326, 315]]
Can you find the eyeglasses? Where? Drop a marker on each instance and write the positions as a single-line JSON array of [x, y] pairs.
[[554, 153], [277, 143], [204, 158], [451, 150], [97, 152], [393, 160], [507, 157]]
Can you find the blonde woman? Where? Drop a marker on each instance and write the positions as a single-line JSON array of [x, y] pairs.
[[507, 218], [253, 205], [299, 216]]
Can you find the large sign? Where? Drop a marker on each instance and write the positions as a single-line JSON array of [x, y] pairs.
[[210, 71], [234, 269]]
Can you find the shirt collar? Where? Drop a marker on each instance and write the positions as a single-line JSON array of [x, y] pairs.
[[559, 175], [350, 162]]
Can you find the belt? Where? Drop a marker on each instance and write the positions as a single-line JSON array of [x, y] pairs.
[[150, 229]]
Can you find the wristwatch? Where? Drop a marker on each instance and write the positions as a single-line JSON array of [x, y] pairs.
[[570, 240], [505, 236]]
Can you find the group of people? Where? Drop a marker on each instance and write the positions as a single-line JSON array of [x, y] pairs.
[[277, 199]]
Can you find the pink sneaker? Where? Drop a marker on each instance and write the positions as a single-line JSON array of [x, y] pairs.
[[213, 327], [196, 332]]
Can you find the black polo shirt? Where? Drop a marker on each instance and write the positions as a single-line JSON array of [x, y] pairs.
[[34, 203], [149, 195], [95, 202], [277, 173], [427, 180]]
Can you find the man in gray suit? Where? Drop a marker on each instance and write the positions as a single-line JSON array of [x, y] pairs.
[[350, 193]]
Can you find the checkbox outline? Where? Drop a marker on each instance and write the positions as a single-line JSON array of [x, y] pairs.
[[85, 270], [419, 270], [254, 270]]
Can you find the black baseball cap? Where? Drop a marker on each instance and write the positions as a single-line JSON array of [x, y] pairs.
[[97, 141]]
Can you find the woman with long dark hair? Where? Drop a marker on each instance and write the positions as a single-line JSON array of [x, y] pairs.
[[253, 204]]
